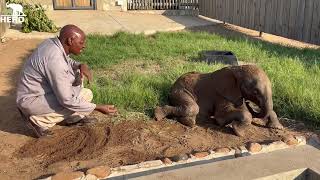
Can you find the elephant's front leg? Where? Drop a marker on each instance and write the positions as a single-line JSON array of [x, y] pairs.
[[273, 121], [239, 117], [271, 117]]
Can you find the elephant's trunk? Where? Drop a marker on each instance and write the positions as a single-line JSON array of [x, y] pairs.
[[266, 106]]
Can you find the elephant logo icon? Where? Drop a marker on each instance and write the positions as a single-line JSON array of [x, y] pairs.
[[17, 9], [17, 15]]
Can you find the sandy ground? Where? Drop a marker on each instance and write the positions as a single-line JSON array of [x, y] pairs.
[[129, 142], [13, 133]]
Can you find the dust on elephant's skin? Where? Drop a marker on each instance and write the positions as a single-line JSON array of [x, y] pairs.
[[222, 94]]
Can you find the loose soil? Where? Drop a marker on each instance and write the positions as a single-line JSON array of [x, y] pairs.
[[133, 141], [106, 143]]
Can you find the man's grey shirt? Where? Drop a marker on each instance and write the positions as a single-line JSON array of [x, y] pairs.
[[45, 84]]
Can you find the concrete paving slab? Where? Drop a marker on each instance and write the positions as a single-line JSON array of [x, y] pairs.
[[110, 22], [249, 167]]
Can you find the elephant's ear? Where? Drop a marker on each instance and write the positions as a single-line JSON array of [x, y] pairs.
[[237, 72], [245, 82], [229, 89]]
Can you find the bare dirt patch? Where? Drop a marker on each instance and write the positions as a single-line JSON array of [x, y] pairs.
[[13, 133], [134, 141], [132, 66]]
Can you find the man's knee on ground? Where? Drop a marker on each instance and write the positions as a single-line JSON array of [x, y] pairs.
[[86, 94]]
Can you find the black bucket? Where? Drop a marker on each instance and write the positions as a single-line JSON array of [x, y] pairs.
[[224, 57]]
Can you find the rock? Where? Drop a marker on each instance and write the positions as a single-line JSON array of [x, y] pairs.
[[300, 125], [166, 161], [243, 151], [276, 145], [61, 167], [200, 154], [314, 140], [180, 157], [87, 164], [222, 150], [90, 177], [290, 140], [240, 151], [3, 40], [254, 147], [237, 153], [68, 175], [48, 178], [279, 144], [127, 168], [149, 164], [100, 171], [301, 140]]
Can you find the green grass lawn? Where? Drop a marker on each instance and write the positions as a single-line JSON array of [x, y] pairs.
[[135, 72]]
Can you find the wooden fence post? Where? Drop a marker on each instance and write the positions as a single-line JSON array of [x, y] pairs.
[[3, 26]]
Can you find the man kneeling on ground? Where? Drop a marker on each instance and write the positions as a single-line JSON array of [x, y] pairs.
[[49, 90]]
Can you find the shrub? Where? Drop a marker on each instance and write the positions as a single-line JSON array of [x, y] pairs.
[[36, 18]]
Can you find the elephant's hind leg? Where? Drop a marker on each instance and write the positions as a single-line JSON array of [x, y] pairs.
[[162, 112], [184, 107], [188, 121], [185, 110], [186, 114]]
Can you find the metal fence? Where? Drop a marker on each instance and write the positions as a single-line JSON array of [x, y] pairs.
[[294, 19], [162, 4]]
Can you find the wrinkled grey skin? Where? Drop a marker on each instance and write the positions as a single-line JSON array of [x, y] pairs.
[[222, 94]]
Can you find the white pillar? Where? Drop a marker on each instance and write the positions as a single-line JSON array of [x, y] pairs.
[[124, 6]]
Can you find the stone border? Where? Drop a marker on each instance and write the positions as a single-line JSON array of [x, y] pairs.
[[103, 172]]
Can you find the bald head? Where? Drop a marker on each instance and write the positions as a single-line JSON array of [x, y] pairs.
[[72, 39], [70, 31]]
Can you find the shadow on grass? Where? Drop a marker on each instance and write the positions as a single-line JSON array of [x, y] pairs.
[[309, 57]]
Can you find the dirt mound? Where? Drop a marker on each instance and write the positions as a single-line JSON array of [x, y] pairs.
[[68, 142], [131, 142]]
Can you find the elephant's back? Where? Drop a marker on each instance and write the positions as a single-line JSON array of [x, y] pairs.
[[187, 80]]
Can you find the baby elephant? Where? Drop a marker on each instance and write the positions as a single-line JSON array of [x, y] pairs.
[[222, 94]]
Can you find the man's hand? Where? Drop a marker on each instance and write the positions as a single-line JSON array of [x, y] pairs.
[[85, 71], [107, 109]]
